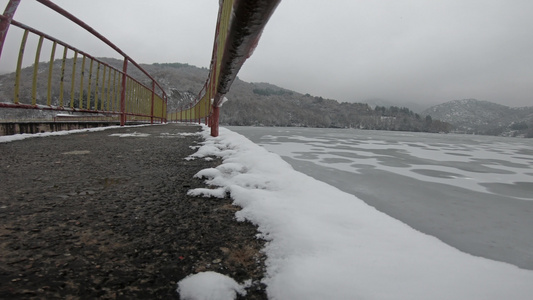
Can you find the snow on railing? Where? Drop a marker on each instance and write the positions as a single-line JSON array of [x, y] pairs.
[[95, 86], [239, 27]]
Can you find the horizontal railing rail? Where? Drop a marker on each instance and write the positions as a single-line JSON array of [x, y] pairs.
[[239, 27], [77, 81]]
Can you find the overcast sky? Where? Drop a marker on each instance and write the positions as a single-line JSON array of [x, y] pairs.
[[423, 51]]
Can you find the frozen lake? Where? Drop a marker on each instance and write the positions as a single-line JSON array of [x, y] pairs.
[[474, 193]]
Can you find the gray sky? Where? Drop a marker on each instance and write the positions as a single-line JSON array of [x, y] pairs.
[[423, 51]]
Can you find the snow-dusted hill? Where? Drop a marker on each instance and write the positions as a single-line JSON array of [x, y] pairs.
[[483, 117]]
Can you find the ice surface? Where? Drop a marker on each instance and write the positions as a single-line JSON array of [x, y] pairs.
[[472, 167]]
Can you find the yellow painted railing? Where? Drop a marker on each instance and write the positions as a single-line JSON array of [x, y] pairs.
[[202, 108], [239, 27]]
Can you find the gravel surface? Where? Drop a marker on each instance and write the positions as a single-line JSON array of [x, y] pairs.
[[91, 215]]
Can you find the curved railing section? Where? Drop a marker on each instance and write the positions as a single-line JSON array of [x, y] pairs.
[[239, 27], [85, 83]]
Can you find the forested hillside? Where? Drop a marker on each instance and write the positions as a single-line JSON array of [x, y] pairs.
[[482, 117], [263, 104]]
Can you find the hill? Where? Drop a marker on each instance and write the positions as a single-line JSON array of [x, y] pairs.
[[264, 104], [482, 117]]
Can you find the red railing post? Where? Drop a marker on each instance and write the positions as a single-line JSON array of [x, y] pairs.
[[123, 94], [9, 12], [214, 121]]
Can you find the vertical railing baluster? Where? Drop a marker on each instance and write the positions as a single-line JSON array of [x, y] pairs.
[[72, 84], [108, 88], [82, 76], [19, 66], [90, 83], [123, 93], [152, 104], [97, 84], [36, 71], [62, 78], [50, 70], [114, 103]]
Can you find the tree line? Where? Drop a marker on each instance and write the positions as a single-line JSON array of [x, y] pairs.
[[308, 111]]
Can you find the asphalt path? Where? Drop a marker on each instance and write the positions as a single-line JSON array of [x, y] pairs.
[[106, 215]]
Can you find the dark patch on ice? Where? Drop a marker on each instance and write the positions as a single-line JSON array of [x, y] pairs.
[[362, 166], [437, 174], [349, 154], [307, 155], [523, 158], [418, 146], [517, 189], [395, 164], [501, 162], [527, 152], [334, 160], [458, 154], [475, 167]]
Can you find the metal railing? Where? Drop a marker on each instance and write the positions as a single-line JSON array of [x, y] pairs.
[[239, 27], [77, 81]]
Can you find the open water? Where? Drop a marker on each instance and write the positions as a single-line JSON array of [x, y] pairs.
[[474, 193]]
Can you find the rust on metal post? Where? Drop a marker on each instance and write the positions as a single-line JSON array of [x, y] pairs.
[[214, 121], [9, 12], [123, 94]]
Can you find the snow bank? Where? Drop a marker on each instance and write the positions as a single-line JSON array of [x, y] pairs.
[[327, 244]]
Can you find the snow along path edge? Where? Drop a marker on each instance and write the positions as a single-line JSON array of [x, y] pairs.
[[324, 243]]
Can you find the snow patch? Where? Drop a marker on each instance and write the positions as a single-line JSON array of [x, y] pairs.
[[18, 137], [203, 192], [135, 134], [210, 286], [77, 152]]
